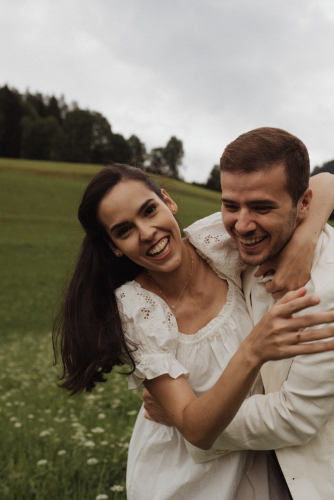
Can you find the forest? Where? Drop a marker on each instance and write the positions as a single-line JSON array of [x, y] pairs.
[[39, 127]]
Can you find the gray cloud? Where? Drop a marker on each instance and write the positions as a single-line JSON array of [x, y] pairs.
[[203, 70]]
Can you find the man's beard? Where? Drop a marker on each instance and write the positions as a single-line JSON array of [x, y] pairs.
[[282, 240]]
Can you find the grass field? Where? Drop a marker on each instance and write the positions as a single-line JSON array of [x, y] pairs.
[[54, 447]]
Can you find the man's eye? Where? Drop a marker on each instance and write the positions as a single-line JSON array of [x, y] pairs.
[[262, 209], [230, 208]]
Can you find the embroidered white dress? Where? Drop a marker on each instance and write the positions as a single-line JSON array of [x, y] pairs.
[[159, 465]]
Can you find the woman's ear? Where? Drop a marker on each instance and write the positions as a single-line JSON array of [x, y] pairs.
[[113, 247], [169, 202]]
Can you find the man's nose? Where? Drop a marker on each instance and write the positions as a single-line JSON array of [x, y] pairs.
[[245, 223]]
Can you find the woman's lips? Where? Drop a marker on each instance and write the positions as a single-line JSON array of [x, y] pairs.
[[160, 250]]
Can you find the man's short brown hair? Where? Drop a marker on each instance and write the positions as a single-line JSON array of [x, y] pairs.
[[265, 148]]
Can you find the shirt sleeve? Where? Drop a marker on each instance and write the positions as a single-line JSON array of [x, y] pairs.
[[149, 324]]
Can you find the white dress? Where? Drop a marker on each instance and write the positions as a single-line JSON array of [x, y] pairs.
[[159, 466]]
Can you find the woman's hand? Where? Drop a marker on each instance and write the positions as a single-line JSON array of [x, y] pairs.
[[279, 335]]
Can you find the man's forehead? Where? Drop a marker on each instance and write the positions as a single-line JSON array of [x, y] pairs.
[[259, 185]]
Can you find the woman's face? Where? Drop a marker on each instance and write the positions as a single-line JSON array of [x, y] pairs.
[[142, 226]]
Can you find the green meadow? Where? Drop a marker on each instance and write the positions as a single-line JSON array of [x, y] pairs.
[[53, 446]]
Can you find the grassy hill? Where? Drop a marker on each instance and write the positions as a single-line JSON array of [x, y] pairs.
[[40, 235]]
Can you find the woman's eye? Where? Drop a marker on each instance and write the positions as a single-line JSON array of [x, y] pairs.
[[122, 232], [149, 210]]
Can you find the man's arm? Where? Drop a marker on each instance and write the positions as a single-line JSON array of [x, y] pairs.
[[291, 416]]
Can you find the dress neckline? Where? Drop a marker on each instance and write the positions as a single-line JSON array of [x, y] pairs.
[[208, 329]]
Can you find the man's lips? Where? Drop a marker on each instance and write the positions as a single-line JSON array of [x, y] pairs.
[[250, 243], [161, 249]]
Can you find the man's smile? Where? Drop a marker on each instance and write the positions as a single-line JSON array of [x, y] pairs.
[[250, 243]]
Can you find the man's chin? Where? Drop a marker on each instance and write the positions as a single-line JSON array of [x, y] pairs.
[[253, 260]]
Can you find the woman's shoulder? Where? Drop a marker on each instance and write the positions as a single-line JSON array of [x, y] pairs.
[[215, 245], [144, 308]]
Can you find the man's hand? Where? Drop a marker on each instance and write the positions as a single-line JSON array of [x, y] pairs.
[[290, 274], [155, 412]]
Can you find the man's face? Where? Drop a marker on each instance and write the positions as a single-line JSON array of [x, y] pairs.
[[258, 212]]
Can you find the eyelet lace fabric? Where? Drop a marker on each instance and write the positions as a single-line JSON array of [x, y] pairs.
[[215, 245]]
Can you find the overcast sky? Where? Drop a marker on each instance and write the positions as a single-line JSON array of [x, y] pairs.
[[203, 70]]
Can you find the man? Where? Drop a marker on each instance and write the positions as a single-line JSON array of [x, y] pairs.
[[264, 176]]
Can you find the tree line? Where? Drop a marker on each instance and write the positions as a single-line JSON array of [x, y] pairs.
[[40, 127]]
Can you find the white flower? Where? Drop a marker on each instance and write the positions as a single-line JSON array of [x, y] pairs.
[[104, 443], [101, 416], [89, 444], [60, 419], [17, 424], [92, 461], [102, 496], [47, 411], [133, 412], [97, 430], [100, 389], [42, 462], [30, 416], [61, 452], [117, 488], [44, 433]]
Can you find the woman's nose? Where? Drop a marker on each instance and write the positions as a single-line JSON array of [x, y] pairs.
[[146, 232]]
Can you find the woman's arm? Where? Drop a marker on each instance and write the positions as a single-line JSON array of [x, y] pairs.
[[276, 336], [292, 265]]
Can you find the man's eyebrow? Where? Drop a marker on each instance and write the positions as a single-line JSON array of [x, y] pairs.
[[271, 203], [124, 222]]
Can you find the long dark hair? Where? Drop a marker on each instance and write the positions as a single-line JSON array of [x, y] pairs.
[[88, 327]]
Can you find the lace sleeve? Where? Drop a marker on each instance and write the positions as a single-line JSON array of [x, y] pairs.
[[215, 245], [150, 325]]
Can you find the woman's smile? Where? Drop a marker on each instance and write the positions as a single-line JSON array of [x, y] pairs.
[[161, 249]]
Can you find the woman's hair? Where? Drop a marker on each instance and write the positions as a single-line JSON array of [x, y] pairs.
[[88, 327]]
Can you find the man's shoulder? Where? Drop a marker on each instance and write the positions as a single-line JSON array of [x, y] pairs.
[[322, 273]]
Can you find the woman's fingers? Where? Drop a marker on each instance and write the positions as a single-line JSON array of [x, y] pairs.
[[314, 347], [316, 334], [308, 320], [287, 308], [294, 294]]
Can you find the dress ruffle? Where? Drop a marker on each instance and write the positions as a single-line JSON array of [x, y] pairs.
[[215, 245], [153, 366]]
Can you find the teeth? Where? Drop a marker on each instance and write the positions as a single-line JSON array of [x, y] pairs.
[[251, 241], [162, 245]]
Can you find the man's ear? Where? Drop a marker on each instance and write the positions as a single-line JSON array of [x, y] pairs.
[[113, 247], [169, 202], [304, 203]]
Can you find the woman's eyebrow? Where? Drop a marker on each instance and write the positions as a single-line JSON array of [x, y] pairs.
[[141, 208]]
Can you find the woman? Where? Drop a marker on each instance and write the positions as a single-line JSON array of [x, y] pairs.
[[136, 286]]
